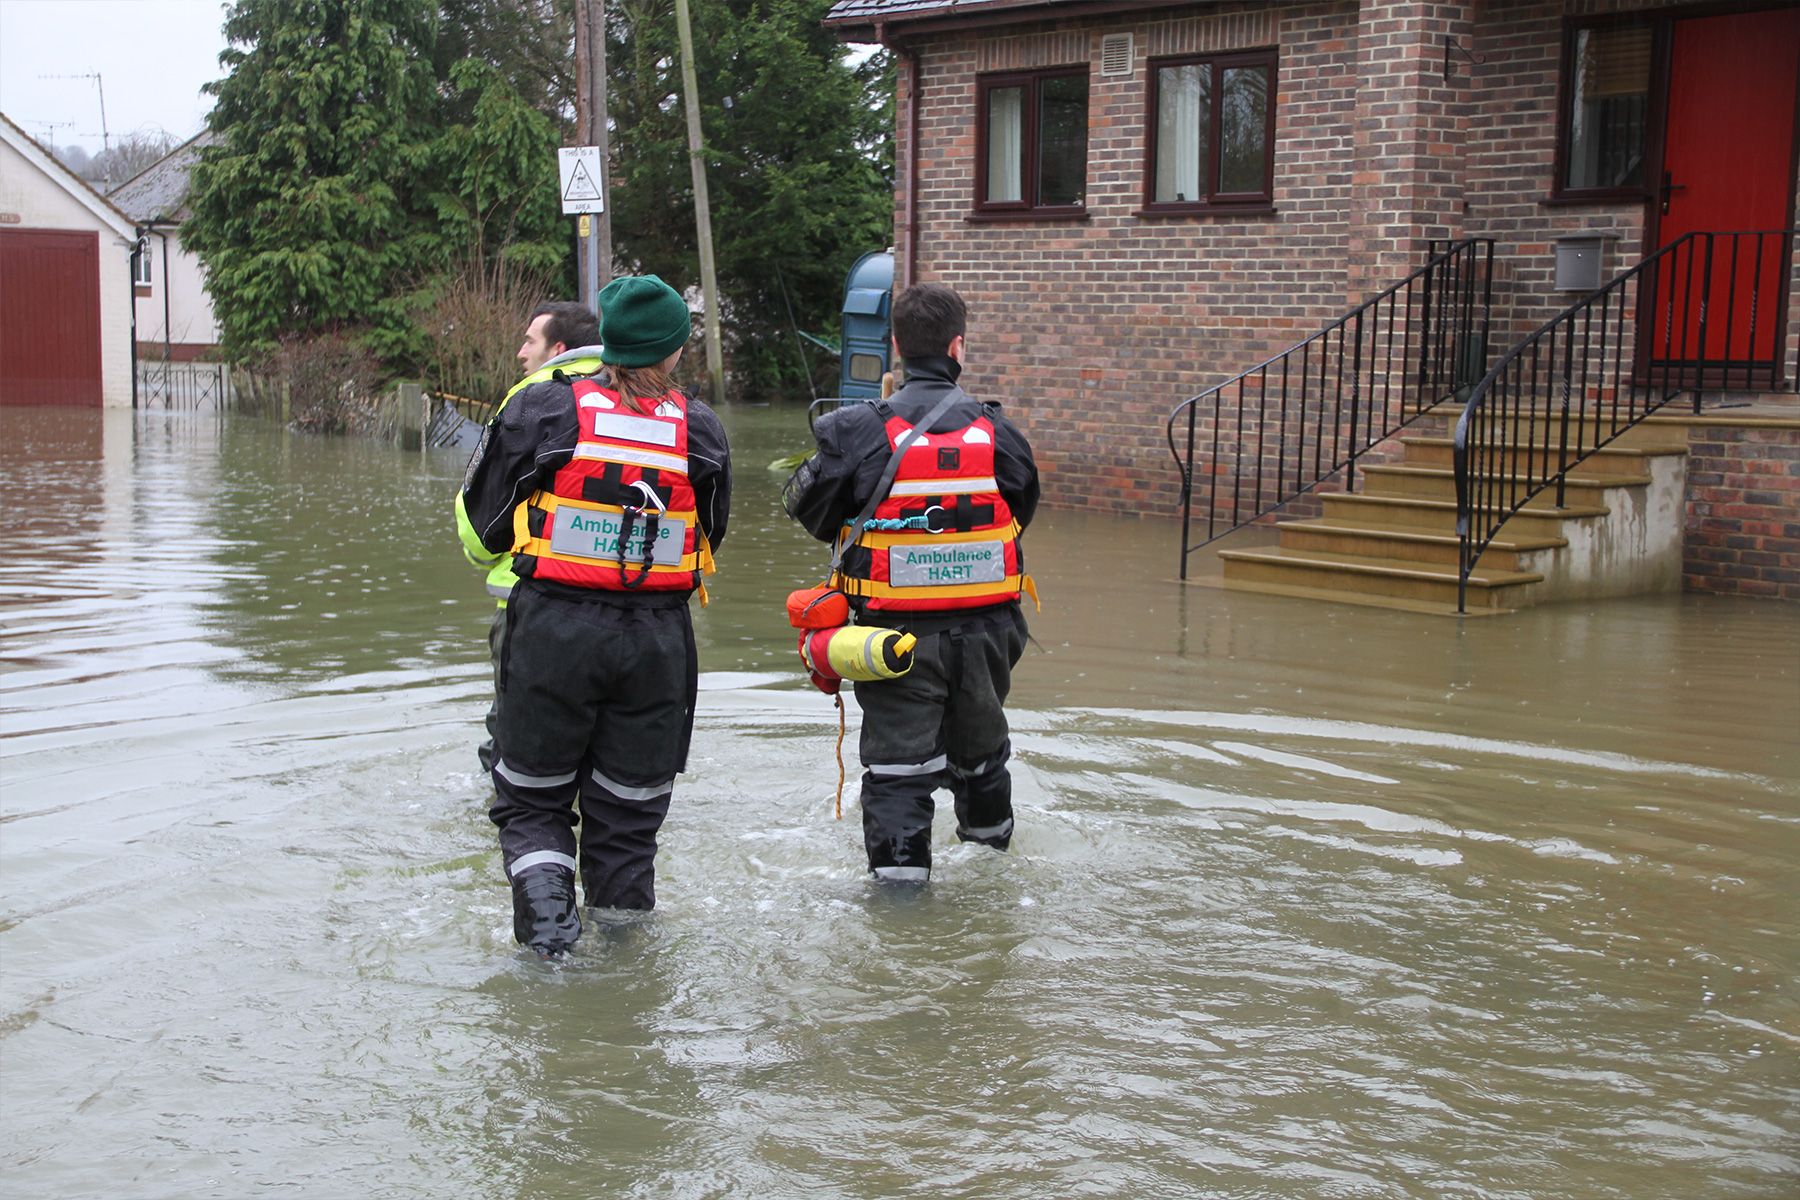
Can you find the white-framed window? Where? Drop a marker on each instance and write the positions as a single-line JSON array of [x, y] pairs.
[[141, 274]]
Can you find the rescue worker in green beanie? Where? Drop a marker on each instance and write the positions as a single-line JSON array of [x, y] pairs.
[[933, 551], [560, 335], [610, 491]]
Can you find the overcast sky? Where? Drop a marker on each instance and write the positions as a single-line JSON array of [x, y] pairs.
[[152, 57]]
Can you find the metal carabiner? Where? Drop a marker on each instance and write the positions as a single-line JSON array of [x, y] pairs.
[[650, 496], [630, 514]]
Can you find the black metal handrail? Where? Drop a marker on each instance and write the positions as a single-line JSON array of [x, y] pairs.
[[1286, 425], [1713, 306]]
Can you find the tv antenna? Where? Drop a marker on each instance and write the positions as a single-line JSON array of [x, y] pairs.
[[50, 128], [105, 140]]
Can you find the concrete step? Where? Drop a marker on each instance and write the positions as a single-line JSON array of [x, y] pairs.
[[1439, 483], [1609, 460], [1439, 516], [1405, 545], [1669, 424], [1359, 577]]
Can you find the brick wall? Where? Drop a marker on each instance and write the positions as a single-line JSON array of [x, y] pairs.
[[1743, 513], [1091, 331]]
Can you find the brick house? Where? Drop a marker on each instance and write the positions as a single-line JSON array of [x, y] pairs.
[[1141, 198]]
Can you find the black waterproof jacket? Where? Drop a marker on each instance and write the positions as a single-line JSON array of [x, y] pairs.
[[533, 438], [830, 488]]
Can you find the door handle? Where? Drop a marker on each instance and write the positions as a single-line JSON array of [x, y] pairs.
[[1669, 185]]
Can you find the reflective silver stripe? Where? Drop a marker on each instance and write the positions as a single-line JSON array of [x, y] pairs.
[[504, 593], [1003, 829], [929, 767], [902, 874], [634, 429], [520, 779], [624, 792], [538, 858], [626, 454], [943, 487]]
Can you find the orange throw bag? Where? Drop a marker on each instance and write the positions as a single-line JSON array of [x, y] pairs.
[[822, 607]]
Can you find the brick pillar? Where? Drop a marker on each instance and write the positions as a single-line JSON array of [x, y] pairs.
[[1407, 183]]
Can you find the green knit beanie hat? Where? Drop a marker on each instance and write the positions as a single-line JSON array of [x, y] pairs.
[[642, 321]]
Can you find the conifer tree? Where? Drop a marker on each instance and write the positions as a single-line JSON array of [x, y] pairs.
[[372, 155], [351, 162], [799, 169]]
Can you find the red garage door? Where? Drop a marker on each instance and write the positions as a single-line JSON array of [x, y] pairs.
[[49, 317]]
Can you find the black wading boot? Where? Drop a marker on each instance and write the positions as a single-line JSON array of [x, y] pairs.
[[903, 860], [544, 913]]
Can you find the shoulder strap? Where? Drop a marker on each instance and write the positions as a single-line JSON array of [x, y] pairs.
[[893, 469]]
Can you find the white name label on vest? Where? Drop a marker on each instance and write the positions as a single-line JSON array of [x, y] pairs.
[[583, 533], [633, 429], [947, 564]]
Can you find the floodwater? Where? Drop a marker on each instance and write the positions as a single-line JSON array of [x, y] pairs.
[[1307, 901]]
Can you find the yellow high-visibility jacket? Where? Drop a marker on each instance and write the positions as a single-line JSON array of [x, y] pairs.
[[500, 577]]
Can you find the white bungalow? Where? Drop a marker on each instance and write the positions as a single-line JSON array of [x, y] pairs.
[[174, 313]]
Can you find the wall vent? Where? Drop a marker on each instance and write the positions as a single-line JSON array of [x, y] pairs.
[[1115, 54]]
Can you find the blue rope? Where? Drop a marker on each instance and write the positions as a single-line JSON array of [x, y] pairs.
[[891, 524]]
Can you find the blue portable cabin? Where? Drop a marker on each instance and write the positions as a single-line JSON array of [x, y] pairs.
[[868, 291]]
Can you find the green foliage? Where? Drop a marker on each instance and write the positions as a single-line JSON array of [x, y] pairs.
[[355, 161], [799, 162], [387, 167]]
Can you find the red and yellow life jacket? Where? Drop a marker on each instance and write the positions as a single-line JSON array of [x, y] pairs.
[[967, 556], [621, 515]]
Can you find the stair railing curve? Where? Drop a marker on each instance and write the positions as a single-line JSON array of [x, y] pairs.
[[1586, 376], [1286, 425]]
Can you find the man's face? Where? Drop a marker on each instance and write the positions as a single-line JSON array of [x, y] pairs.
[[536, 351]]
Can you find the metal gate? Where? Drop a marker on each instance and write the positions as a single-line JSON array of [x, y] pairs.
[[183, 386]]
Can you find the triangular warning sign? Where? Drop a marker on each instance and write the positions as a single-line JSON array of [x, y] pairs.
[[581, 184]]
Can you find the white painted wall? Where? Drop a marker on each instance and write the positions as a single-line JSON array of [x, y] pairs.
[[190, 310], [45, 196]]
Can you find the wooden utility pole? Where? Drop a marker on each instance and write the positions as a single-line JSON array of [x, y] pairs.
[[709, 280], [591, 130]]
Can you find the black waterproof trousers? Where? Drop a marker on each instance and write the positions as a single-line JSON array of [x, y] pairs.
[[941, 724], [496, 638], [596, 709]]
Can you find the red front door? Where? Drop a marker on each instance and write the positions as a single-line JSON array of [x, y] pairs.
[[1728, 161]]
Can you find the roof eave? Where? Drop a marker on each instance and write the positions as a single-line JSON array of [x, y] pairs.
[[83, 191], [959, 15]]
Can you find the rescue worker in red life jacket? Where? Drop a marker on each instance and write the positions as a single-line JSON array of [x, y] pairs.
[[611, 492], [939, 557]]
